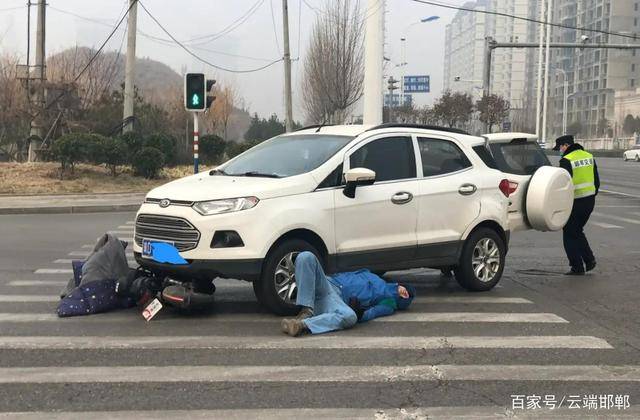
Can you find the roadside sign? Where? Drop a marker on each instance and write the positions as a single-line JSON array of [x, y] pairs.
[[417, 84], [506, 126], [395, 100]]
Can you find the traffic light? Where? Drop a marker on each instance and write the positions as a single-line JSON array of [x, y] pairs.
[[210, 97], [194, 92]]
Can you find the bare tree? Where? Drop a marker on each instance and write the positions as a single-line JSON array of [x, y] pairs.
[[493, 109], [224, 107], [453, 109], [14, 113], [334, 66], [99, 79]]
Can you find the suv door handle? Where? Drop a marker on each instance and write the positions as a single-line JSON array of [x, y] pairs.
[[467, 189], [401, 197]]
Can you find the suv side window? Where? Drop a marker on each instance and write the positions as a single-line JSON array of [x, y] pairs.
[[390, 158], [440, 157]]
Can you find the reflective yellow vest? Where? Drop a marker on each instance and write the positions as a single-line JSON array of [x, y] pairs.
[[584, 178]]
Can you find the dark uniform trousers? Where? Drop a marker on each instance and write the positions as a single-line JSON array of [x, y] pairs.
[[575, 242]]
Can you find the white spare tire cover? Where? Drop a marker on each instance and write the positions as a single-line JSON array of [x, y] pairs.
[[549, 199]]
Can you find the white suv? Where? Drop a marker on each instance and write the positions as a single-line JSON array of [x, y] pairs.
[[385, 198]]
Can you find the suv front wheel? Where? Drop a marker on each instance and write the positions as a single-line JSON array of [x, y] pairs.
[[482, 260], [276, 288]]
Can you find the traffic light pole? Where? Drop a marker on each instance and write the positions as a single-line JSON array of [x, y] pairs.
[[196, 139]]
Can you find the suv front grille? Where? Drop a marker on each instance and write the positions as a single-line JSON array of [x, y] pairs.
[[168, 229]]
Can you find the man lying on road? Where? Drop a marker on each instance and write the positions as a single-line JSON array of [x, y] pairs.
[[339, 301]]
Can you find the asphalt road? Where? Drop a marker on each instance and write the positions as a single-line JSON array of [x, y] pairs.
[[538, 337]]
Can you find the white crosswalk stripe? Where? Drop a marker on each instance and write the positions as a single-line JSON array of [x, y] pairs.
[[129, 253], [204, 374], [54, 271], [422, 317], [314, 342], [410, 413], [617, 218], [604, 225], [69, 261], [39, 283]]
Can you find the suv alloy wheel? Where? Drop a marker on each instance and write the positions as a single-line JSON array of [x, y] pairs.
[[276, 288], [482, 260]]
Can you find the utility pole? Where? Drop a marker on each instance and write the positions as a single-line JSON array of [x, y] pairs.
[[546, 75], [130, 66], [373, 58], [539, 83], [36, 131], [486, 70], [287, 68], [392, 87]]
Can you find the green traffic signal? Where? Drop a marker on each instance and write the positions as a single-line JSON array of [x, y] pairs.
[[194, 89]]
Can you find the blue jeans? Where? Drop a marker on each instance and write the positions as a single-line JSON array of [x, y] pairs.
[[318, 292]]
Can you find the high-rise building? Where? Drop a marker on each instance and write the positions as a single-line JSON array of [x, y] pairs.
[[464, 49], [464, 52], [594, 75]]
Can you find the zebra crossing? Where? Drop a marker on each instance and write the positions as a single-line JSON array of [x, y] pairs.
[[629, 218], [236, 353]]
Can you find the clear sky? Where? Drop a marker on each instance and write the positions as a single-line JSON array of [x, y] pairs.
[[252, 44]]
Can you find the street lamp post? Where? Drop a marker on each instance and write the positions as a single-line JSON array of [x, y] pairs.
[[565, 99], [403, 46]]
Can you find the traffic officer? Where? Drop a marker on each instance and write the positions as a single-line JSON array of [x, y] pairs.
[[586, 183]]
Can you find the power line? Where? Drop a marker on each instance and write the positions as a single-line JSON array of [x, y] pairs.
[[158, 40], [203, 39], [197, 57], [299, 27], [273, 20], [231, 27], [8, 9], [526, 19], [91, 60]]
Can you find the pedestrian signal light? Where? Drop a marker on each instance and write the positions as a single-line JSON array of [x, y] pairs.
[[194, 92]]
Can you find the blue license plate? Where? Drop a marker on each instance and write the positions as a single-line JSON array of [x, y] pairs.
[[147, 247]]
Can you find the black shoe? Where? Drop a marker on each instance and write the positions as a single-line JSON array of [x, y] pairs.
[[590, 265], [573, 272]]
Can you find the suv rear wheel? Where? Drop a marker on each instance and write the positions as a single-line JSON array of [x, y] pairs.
[[276, 288], [482, 261]]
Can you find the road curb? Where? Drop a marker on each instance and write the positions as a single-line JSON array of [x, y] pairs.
[[70, 209]]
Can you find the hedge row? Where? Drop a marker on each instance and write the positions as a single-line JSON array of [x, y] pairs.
[[146, 154]]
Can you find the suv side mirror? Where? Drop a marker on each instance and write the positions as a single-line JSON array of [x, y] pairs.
[[355, 177]]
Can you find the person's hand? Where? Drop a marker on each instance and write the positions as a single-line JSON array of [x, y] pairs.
[[354, 304]]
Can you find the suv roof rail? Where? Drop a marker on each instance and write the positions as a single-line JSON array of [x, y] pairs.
[[421, 126], [309, 127]]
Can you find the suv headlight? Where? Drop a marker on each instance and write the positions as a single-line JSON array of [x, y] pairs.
[[207, 208]]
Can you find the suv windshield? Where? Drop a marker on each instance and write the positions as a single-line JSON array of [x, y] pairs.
[[519, 157], [284, 156]]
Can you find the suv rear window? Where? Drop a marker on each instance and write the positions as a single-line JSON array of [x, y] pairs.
[[519, 157]]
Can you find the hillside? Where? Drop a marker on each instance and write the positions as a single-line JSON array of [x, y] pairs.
[[154, 80]]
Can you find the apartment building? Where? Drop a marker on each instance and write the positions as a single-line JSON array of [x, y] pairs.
[[464, 52], [594, 75]]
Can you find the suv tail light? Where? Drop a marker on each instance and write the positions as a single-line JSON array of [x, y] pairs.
[[508, 187]]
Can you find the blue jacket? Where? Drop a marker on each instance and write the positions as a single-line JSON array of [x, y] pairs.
[[369, 289]]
